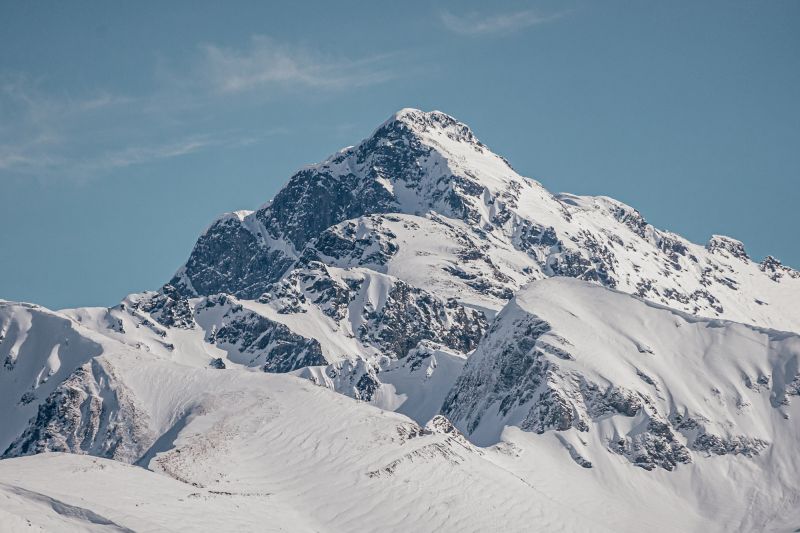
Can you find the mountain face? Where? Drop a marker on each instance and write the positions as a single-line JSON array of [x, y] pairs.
[[556, 348], [568, 355]]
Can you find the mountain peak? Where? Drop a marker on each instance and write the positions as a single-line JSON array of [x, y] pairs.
[[428, 123], [412, 115], [406, 112], [495, 230]]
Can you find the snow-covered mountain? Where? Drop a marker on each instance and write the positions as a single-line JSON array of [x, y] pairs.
[[598, 372], [423, 200]]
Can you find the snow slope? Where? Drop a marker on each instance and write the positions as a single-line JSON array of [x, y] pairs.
[[254, 447], [65, 492], [241, 450], [706, 409]]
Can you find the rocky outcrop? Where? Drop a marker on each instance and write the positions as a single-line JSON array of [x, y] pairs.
[[776, 270], [410, 315], [655, 447], [720, 244], [89, 413], [254, 340], [233, 257], [168, 307], [394, 317]]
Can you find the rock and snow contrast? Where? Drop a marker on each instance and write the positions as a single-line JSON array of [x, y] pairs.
[[412, 336]]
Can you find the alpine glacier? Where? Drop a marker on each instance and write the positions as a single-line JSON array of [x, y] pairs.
[[411, 335]]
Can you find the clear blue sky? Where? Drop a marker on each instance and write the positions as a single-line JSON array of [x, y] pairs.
[[126, 127]]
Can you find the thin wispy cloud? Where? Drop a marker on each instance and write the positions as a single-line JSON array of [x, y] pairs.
[[26, 98], [266, 64], [136, 155], [47, 132], [474, 23], [12, 157], [30, 161], [48, 135], [35, 124]]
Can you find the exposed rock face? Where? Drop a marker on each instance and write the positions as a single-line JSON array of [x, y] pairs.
[[168, 307], [409, 316], [379, 310], [632, 219], [573, 264], [656, 447], [357, 379], [269, 344], [454, 260], [89, 413], [699, 440], [232, 256], [775, 270], [355, 243], [722, 244], [440, 424]]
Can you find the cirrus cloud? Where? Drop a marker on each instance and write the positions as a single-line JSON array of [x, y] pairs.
[[47, 132], [266, 64], [481, 24]]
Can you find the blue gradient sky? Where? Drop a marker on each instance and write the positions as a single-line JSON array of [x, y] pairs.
[[125, 129]]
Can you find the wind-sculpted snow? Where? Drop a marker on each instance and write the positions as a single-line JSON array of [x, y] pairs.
[[245, 451], [250, 446]]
